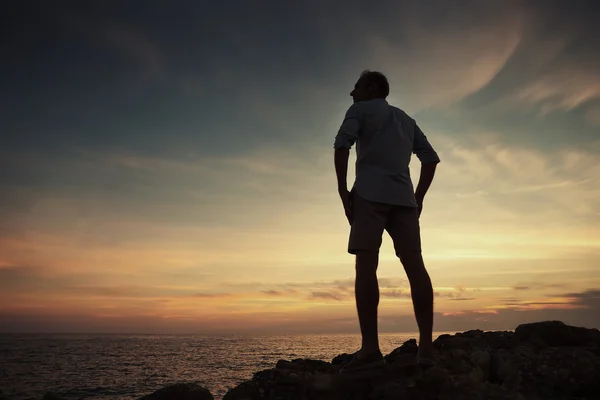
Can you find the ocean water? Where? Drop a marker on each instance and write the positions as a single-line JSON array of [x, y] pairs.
[[111, 366]]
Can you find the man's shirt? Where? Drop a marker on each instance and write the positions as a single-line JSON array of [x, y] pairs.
[[385, 138]]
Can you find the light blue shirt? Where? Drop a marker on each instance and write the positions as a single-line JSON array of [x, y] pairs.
[[385, 138]]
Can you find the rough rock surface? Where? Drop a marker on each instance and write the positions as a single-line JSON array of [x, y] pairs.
[[538, 361]]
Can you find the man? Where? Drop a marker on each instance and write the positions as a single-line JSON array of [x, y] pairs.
[[382, 198]]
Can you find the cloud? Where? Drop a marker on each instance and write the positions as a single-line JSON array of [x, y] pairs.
[[134, 44], [553, 70], [272, 292], [279, 293], [564, 89], [537, 286], [396, 294], [428, 71], [520, 184], [577, 308], [589, 298], [592, 114], [212, 295], [326, 296], [129, 41]]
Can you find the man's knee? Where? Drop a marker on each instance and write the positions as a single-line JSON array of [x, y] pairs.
[[366, 261], [410, 257], [413, 264]]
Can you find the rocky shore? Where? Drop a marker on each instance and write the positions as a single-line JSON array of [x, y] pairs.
[[538, 361]]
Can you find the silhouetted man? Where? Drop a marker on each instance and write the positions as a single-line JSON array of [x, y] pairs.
[[382, 198]]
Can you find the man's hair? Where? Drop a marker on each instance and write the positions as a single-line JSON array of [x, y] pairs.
[[379, 80]]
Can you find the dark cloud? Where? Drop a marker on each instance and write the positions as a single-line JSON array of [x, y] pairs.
[[537, 286], [397, 294], [326, 296], [279, 292], [272, 292], [584, 311], [211, 295], [589, 298]]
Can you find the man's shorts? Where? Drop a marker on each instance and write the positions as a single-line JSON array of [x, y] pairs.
[[370, 219]]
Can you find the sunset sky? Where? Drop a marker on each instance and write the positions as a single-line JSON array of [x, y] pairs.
[[167, 167]]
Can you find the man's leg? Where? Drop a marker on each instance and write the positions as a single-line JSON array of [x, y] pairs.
[[421, 291], [365, 240], [367, 300], [403, 227]]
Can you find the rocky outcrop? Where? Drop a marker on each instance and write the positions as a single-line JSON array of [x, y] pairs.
[[538, 361]]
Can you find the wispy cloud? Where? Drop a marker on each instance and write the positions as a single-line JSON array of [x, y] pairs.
[[326, 296], [457, 66]]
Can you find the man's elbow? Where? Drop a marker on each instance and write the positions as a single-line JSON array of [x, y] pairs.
[[342, 150], [429, 158], [343, 142]]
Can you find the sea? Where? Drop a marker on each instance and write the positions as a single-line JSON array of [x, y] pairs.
[[118, 366]]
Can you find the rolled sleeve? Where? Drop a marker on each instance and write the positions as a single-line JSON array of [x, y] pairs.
[[423, 149], [348, 133]]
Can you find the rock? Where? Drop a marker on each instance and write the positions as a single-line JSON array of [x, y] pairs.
[[405, 353], [508, 368], [557, 334], [341, 359], [243, 391], [180, 391], [483, 360], [51, 396], [529, 364], [390, 390], [285, 364], [433, 379]]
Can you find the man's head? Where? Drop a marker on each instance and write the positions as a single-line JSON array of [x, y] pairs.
[[371, 85]]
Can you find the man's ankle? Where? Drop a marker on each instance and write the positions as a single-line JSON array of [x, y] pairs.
[[425, 349], [426, 344], [367, 350]]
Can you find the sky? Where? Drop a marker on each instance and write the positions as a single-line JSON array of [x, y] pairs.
[[167, 167]]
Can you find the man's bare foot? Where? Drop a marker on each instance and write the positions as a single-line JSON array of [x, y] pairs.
[[425, 356], [364, 361], [366, 353]]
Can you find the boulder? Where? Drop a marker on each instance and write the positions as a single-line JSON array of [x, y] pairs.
[[557, 334], [180, 391]]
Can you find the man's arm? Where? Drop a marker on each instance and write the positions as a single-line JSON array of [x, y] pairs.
[[425, 179], [344, 140], [341, 157], [429, 161]]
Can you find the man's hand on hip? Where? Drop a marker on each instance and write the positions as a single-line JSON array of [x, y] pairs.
[[419, 204], [347, 203]]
